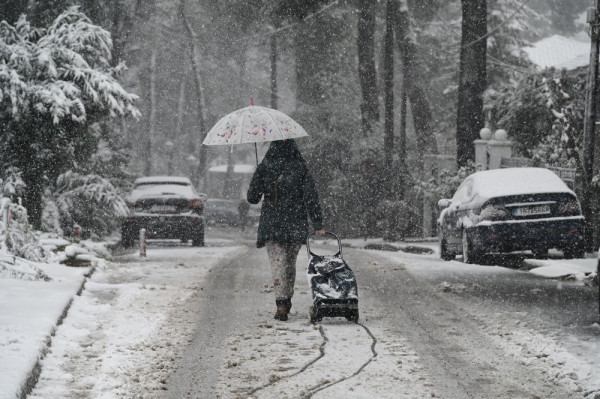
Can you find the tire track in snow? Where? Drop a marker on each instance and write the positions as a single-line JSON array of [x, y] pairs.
[[318, 388], [344, 354], [303, 369]]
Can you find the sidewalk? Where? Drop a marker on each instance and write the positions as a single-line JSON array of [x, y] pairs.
[[35, 298]]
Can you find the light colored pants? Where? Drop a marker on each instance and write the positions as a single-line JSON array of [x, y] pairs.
[[283, 267]]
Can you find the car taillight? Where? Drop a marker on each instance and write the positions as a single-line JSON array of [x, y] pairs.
[[568, 208], [195, 203], [493, 212]]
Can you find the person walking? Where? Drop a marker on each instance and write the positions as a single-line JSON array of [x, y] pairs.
[[284, 183]]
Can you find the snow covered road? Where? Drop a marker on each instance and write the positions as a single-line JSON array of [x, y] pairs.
[[197, 323]]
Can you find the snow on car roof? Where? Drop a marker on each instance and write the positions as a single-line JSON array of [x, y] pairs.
[[162, 180], [517, 181]]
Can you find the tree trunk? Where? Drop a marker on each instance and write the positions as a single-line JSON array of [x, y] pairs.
[[178, 132], [195, 61], [366, 65], [152, 116], [421, 110], [180, 108], [33, 202], [388, 88], [273, 55], [472, 79], [401, 151]]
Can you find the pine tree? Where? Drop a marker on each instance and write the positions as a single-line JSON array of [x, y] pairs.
[[55, 84]]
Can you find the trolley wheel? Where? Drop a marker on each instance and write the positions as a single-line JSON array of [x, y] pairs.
[[353, 317], [313, 315]]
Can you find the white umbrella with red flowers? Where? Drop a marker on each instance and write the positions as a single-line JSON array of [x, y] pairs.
[[253, 124]]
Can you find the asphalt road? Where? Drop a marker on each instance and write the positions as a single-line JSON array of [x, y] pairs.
[[452, 317]]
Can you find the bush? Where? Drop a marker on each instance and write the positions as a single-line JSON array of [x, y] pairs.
[[20, 239], [90, 201]]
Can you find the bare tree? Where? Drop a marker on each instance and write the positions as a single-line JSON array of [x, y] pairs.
[[472, 78], [152, 117], [366, 65], [416, 95], [273, 56], [195, 62], [388, 89]]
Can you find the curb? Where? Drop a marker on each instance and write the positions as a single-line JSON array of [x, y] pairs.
[[34, 374]]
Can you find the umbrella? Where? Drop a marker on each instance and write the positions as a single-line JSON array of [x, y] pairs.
[[253, 124]]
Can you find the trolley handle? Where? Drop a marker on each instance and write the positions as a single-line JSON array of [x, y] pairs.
[[310, 253]]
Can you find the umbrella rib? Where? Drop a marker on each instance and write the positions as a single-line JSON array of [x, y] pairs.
[[241, 126], [276, 125]]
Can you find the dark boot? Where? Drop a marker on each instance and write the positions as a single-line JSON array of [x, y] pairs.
[[282, 309], [288, 304]]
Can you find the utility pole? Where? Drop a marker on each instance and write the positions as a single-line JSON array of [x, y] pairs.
[[589, 123]]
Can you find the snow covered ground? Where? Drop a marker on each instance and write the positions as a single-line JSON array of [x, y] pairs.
[[115, 329], [30, 310], [300, 371], [569, 361], [123, 332]]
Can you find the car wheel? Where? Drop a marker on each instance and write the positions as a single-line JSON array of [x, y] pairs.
[[127, 237], [470, 255], [540, 253], [577, 252], [198, 238], [444, 254]]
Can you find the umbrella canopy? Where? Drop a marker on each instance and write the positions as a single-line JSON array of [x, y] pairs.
[[253, 124]]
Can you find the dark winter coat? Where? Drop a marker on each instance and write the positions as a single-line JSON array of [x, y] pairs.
[[289, 196]]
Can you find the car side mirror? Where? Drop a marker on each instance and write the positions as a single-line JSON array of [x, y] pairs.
[[444, 203]]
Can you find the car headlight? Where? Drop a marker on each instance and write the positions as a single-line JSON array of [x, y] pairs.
[[493, 212]]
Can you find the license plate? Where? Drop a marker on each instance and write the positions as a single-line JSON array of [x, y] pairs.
[[163, 208], [532, 210]]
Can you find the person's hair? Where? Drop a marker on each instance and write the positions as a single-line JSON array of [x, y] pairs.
[[283, 149], [279, 155]]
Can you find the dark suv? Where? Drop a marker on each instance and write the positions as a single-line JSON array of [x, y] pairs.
[[168, 207]]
